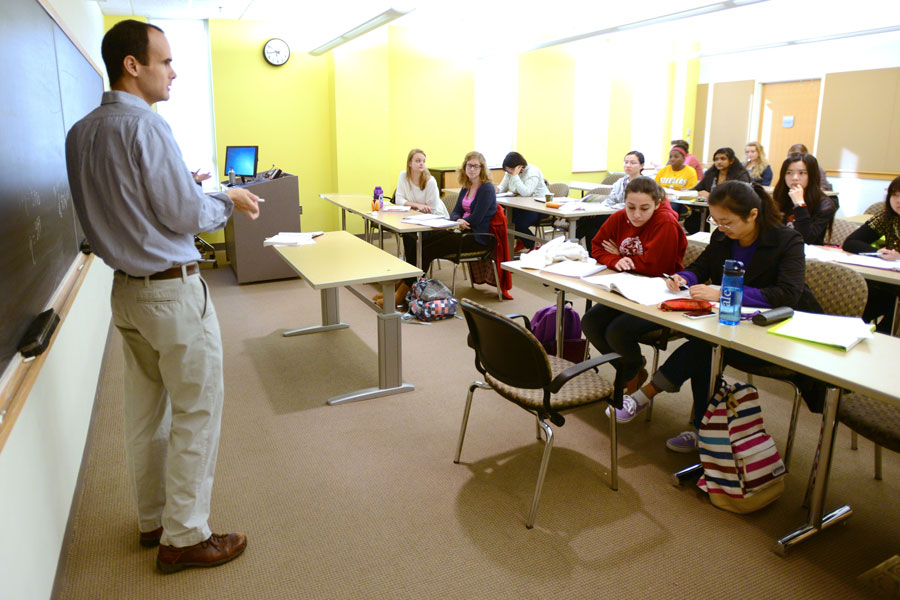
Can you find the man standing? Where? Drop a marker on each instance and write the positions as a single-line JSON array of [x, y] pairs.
[[140, 208]]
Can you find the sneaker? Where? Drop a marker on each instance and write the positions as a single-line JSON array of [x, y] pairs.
[[630, 409], [519, 247], [685, 442]]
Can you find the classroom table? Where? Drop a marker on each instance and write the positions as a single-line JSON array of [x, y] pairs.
[[514, 203], [862, 369], [858, 218], [340, 259], [361, 204], [691, 200], [887, 276]]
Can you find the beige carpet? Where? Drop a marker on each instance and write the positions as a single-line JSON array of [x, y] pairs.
[[364, 501]]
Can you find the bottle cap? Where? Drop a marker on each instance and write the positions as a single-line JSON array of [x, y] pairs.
[[733, 267]]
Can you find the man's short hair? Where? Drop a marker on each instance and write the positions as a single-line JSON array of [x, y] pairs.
[[126, 38]]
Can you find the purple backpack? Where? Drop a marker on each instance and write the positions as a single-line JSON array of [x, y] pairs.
[[543, 326]]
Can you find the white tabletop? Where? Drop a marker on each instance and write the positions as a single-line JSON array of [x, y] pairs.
[[586, 185], [339, 258], [361, 204], [528, 203], [867, 368]]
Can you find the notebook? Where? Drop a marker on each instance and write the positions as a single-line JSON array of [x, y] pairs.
[[574, 268], [829, 330]]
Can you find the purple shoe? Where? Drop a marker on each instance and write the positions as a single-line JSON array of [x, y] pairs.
[[686, 442], [630, 409]]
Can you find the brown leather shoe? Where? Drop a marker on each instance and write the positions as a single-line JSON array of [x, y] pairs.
[[217, 550], [150, 539], [635, 383]]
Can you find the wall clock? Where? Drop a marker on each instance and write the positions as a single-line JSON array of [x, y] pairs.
[[276, 52]]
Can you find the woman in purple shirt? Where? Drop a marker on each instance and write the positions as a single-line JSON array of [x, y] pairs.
[[749, 230]]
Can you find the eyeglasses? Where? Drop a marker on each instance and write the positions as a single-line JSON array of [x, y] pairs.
[[473, 166], [714, 223]]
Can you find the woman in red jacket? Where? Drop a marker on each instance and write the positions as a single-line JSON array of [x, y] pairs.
[[644, 237]]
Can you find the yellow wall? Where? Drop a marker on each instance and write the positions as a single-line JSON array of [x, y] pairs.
[[546, 102], [288, 111], [432, 106]]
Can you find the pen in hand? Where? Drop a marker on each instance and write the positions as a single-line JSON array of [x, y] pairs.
[[681, 287]]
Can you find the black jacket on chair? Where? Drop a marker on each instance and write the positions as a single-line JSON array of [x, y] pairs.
[[778, 267]]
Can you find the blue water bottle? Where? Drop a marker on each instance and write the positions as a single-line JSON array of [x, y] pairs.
[[732, 292]]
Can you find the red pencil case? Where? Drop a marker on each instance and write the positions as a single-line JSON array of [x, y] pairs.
[[684, 304]]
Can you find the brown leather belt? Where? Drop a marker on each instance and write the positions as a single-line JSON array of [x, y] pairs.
[[173, 273]]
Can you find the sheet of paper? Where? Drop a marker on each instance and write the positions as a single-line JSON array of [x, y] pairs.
[[868, 261], [387, 207], [574, 268], [701, 237], [571, 207]]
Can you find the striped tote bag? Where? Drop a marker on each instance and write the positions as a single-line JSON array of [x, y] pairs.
[[742, 470]]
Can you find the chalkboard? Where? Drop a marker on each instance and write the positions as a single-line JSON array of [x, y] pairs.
[[48, 86]]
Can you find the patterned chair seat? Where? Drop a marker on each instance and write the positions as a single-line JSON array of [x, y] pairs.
[[873, 419], [585, 389]]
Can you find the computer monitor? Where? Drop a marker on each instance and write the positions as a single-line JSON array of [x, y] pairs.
[[243, 159]]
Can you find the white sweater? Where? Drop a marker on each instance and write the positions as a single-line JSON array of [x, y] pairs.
[[429, 196], [530, 182]]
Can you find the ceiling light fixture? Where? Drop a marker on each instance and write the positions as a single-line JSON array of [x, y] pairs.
[[373, 23], [676, 16]]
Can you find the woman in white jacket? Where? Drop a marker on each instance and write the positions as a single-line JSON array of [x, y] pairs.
[[417, 188]]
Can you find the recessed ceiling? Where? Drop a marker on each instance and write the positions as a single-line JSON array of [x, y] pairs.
[[502, 27]]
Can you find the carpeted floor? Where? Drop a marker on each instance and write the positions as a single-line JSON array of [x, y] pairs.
[[363, 500]]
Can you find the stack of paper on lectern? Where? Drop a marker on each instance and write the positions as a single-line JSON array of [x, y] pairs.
[[830, 330], [637, 288], [289, 238], [430, 220]]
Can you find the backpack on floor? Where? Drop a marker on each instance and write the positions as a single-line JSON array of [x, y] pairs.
[[543, 326], [742, 470], [431, 300]]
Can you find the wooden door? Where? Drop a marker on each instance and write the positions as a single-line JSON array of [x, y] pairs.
[[798, 100]]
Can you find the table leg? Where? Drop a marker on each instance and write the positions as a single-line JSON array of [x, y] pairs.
[[343, 219], [573, 237], [331, 318], [419, 237], [817, 521], [560, 307], [390, 356], [511, 230], [895, 322], [717, 365]]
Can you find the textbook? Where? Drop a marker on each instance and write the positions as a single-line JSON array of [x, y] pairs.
[[829, 330], [637, 288]]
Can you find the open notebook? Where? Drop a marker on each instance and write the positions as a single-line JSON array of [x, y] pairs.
[[637, 288]]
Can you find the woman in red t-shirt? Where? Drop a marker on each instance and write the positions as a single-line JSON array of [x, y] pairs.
[[644, 237]]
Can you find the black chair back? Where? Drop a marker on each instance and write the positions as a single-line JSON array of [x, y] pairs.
[[505, 349]]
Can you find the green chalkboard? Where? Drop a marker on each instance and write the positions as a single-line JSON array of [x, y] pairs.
[[48, 86]]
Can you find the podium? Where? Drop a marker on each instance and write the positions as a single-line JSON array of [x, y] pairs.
[[250, 260]]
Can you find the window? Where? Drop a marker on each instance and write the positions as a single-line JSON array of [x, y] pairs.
[[189, 110]]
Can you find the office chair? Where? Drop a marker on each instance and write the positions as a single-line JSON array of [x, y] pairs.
[[874, 420], [515, 365]]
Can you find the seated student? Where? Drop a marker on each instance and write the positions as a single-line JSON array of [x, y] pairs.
[[887, 224], [645, 238], [757, 165], [523, 179], [823, 179], [676, 175], [632, 165], [726, 167], [800, 199], [749, 230], [689, 159], [418, 189]]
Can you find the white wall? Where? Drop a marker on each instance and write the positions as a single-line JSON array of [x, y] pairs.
[[40, 462]]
